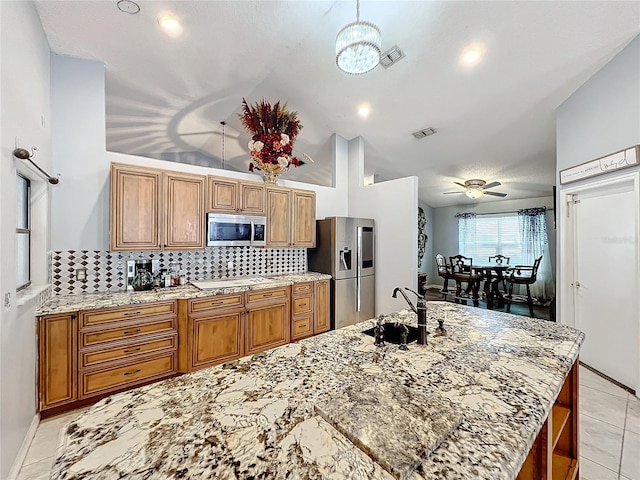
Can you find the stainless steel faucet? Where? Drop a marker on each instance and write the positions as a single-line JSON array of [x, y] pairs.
[[420, 310]]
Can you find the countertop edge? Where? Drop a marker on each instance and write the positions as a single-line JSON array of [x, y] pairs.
[[61, 304]]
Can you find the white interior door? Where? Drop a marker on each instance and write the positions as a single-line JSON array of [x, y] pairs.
[[605, 280]]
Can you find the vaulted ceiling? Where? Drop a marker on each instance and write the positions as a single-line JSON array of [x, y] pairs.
[[166, 96]]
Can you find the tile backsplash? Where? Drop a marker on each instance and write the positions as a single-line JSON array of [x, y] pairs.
[[106, 271]]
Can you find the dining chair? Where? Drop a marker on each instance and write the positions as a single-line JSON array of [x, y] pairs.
[[444, 272], [462, 271], [522, 275], [500, 260]]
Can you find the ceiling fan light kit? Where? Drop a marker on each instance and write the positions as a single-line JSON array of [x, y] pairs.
[[358, 46], [473, 193]]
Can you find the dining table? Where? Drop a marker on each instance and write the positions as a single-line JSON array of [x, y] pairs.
[[493, 274]]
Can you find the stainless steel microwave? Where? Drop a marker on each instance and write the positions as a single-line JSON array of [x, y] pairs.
[[228, 230]]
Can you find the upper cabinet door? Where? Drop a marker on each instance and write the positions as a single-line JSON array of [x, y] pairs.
[[135, 201], [223, 195], [278, 217], [252, 198], [304, 219], [184, 207]]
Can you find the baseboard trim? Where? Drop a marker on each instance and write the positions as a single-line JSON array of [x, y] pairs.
[[24, 448]]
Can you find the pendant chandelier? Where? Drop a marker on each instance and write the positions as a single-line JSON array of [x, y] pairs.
[[358, 46]]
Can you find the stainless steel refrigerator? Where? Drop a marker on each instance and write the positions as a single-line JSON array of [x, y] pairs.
[[345, 250]]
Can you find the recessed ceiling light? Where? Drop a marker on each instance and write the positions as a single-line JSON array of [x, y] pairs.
[[127, 6], [364, 110], [170, 24], [472, 54]]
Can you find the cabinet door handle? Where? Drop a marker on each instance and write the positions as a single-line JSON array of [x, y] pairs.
[[132, 313], [132, 350], [133, 372], [131, 332]]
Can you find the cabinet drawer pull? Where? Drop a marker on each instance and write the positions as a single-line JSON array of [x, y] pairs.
[[267, 294], [131, 332], [303, 304], [133, 372], [132, 313], [219, 302], [132, 350]]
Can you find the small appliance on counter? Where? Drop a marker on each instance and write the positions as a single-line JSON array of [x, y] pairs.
[[140, 274]]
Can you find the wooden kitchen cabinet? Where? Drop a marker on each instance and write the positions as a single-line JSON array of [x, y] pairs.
[[122, 347], [184, 211], [57, 353], [212, 331], [155, 209], [291, 217], [135, 208], [301, 310], [303, 219], [321, 306], [234, 196], [278, 217], [267, 319], [555, 452]]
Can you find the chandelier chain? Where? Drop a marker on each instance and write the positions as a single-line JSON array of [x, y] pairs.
[[357, 10]]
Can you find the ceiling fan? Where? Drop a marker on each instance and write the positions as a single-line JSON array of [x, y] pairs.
[[476, 188]]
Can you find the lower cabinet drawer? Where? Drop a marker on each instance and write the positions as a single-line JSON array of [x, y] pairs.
[[95, 357], [266, 294], [103, 381], [301, 305], [161, 325], [301, 327]]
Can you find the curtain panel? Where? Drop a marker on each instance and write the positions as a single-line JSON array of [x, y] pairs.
[[535, 243]]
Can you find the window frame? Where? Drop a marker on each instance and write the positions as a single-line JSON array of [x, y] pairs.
[[500, 247], [22, 231]]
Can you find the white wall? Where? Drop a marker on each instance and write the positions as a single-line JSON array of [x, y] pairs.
[[445, 226], [394, 207], [601, 117], [24, 111]]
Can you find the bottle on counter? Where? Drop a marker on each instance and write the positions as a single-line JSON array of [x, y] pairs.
[[174, 272]]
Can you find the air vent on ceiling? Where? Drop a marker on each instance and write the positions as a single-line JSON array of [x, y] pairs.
[[424, 133], [391, 56]]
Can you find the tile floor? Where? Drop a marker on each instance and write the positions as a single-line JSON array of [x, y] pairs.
[[609, 434]]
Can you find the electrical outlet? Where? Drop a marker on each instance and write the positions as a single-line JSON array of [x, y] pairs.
[[7, 300], [81, 274], [230, 265]]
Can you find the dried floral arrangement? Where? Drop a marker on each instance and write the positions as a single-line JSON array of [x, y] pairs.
[[274, 130]]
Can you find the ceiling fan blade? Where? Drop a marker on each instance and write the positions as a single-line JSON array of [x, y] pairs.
[[450, 193], [491, 185], [461, 184], [495, 194]]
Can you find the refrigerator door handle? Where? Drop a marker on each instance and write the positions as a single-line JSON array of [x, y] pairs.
[[358, 267], [253, 232]]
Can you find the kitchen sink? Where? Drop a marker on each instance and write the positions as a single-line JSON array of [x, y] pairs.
[[392, 333], [230, 283]]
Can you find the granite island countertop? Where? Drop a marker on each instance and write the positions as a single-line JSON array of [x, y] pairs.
[[257, 417], [86, 301]]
